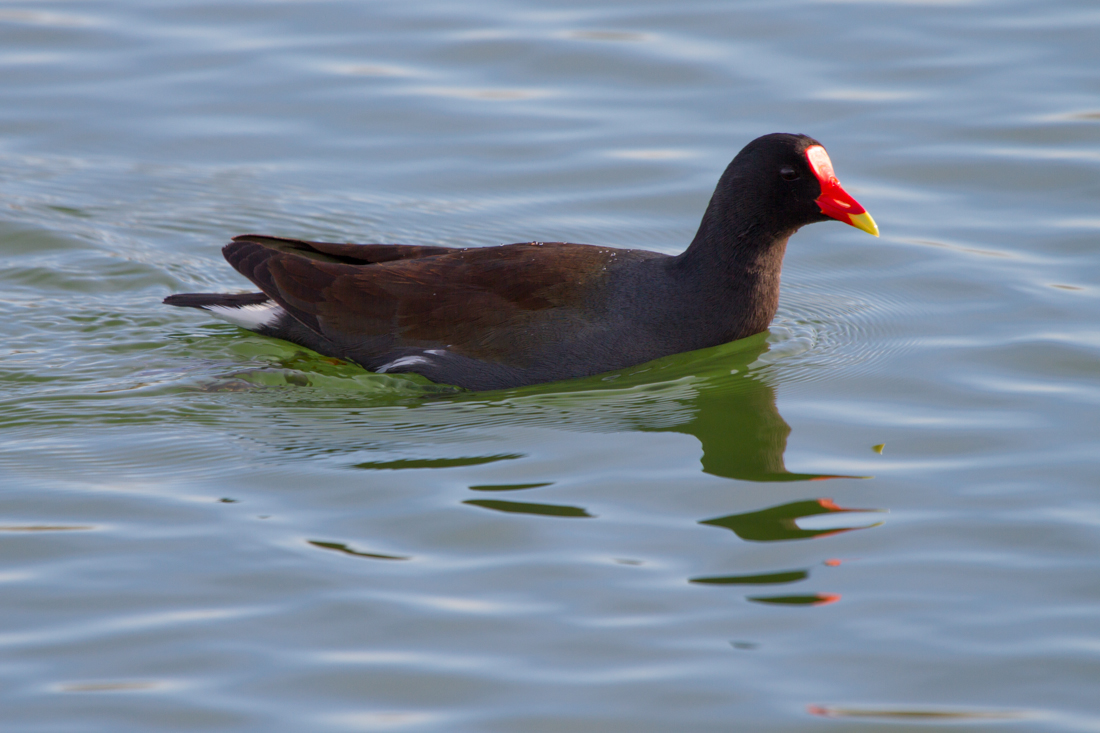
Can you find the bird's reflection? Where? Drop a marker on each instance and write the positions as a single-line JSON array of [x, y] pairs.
[[735, 419], [718, 396], [522, 507], [787, 576], [714, 395], [781, 522]]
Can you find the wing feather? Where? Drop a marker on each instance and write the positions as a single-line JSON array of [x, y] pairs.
[[495, 303]]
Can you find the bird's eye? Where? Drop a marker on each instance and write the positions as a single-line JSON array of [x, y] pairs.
[[788, 173]]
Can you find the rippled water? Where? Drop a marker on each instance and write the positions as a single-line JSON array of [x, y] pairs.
[[203, 529]]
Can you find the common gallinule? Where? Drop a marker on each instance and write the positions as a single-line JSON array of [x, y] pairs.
[[496, 317]]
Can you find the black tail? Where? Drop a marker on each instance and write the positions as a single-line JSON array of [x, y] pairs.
[[228, 300]]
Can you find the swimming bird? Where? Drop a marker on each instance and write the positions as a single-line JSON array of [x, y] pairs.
[[486, 318]]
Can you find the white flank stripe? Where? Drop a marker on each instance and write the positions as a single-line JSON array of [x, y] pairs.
[[403, 361], [251, 317]]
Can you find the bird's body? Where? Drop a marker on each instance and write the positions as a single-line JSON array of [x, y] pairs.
[[495, 317]]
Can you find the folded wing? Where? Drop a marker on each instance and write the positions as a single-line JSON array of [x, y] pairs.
[[375, 302]]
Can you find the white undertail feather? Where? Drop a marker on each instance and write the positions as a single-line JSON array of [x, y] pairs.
[[253, 317]]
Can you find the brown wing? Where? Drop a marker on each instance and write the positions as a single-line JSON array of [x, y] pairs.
[[498, 304]]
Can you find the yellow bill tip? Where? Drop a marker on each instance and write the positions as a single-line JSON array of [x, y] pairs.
[[865, 222]]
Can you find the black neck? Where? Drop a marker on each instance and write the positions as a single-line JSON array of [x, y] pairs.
[[732, 266]]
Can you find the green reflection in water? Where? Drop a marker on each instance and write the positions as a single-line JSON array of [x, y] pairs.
[[338, 547], [732, 412], [518, 507], [405, 463], [742, 433], [792, 576], [810, 599], [509, 487], [716, 395], [778, 522]]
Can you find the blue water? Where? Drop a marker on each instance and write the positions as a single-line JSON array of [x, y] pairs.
[[203, 529]]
